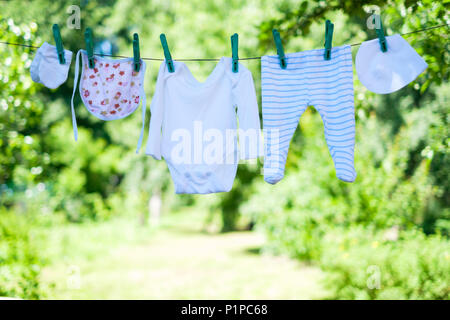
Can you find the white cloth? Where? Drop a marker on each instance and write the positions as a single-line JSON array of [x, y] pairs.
[[386, 72], [46, 68], [193, 126]]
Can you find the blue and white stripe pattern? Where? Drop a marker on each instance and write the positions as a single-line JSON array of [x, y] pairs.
[[286, 93]]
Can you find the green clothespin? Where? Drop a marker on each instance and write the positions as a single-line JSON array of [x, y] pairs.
[[88, 38], [234, 52], [167, 54], [136, 53], [280, 50], [59, 45], [380, 34], [329, 27]]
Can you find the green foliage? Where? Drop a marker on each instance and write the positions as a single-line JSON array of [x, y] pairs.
[[20, 261], [22, 163], [412, 267], [20, 117]]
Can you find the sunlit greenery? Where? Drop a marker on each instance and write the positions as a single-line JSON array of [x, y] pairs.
[[392, 222]]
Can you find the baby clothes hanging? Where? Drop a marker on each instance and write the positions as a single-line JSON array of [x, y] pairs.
[[193, 125], [47, 69], [386, 72], [111, 90], [286, 93]]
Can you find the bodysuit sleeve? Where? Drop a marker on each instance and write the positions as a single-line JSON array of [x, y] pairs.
[[244, 98], [153, 147]]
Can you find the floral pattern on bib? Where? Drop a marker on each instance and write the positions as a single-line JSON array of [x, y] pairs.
[[111, 90]]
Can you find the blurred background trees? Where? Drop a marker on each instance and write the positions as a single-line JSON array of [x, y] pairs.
[[395, 216]]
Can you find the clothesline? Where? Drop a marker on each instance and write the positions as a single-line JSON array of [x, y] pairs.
[[214, 59]]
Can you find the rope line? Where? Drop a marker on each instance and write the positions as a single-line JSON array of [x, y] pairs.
[[215, 59]]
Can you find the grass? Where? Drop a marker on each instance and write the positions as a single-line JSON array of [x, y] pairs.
[[120, 259]]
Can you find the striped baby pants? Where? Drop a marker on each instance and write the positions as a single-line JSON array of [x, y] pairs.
[[309, 79]]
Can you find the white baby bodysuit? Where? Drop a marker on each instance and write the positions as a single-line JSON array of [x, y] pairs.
[[193, 126]]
